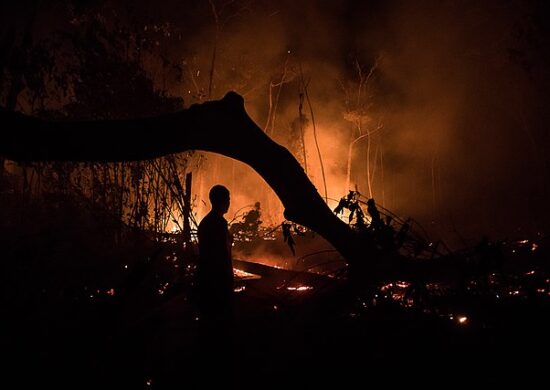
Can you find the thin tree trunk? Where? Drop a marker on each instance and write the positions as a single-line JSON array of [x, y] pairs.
[[348, 168], [433, 185], [187, 209], [214, 48], [304, 86], [270, 107], [369, 183], [350, 157], [382, 173], [212, 66], [302, 130]]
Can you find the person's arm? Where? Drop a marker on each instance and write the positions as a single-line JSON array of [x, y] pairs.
[[229, 242]]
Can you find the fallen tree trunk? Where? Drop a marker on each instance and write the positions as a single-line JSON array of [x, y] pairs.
[[222, 127]]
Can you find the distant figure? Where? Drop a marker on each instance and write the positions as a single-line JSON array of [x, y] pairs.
[[248, 229], [287, 236], [376, 222], [252, 218], [215, 268]]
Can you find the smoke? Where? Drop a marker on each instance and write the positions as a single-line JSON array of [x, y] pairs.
[[462, 134], [457, 140], [447, 97]]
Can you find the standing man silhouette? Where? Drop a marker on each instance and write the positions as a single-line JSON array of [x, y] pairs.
[[215, 268], [214, 287]]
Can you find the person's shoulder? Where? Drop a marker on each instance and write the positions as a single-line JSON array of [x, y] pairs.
[[212, 219]]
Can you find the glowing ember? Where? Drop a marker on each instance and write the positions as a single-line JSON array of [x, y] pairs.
[[162, 289], [534, 247], [409, 302], [111, 292], [239, 289], [243, 275], [530, 272], [397, 296], [402, 284], [462, 320], [299, 288]]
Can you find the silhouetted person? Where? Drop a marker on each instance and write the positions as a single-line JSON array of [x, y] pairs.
[[252, 218], [248, 229], [214, 283], [376, 221], [215, 268], [287, 236]]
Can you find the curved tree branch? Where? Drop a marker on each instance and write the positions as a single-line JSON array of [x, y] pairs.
[[221, 126]]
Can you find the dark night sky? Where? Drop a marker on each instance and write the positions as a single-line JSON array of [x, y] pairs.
[[462, 87]]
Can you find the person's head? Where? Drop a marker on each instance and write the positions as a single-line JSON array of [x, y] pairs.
[[219, 197]]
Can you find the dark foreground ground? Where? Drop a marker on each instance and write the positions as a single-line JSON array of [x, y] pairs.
[[282, 338], [86, 304]]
